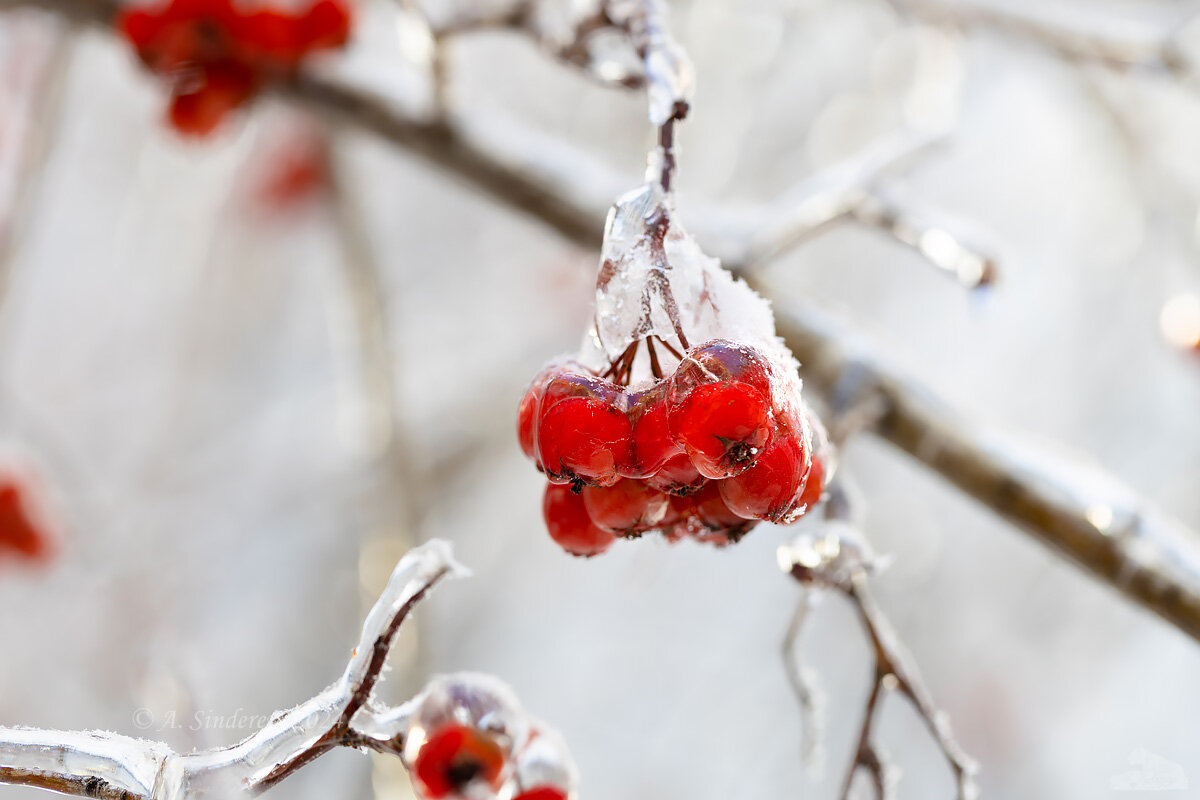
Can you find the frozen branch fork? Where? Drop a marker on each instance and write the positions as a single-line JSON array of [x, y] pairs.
[[115, 767]]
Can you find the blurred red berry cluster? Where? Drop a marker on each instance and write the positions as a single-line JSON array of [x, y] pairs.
[[704, 453], [217, 54], [455, 757]]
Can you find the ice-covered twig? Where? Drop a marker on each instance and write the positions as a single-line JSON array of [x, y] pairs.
[[1077, 44], [849, 193], [571, 44], [660, 66], [804, 686], [969, 263], [837, 558], [106, 765]]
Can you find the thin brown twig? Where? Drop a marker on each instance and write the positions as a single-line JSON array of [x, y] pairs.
[[894, 670], [801, 684]]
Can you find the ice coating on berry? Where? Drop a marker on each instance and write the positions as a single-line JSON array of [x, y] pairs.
[[480, 701], [570, 526], [647, 250]]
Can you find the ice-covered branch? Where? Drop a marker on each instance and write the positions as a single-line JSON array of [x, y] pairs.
[[107, 765], [1072, 42], [1076, 509], [837, 558]]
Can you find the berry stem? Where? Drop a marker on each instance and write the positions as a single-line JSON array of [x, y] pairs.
[[659, 223], [670, 349], [655, 369]]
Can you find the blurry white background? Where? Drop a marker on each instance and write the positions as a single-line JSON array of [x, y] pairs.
[[174, 360]]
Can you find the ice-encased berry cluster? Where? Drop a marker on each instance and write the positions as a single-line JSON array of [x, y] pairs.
[[469, 739], [705, 453], [702, 436]]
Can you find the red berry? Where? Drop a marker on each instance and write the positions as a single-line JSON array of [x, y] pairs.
[[721, 360], [19, 532], [653, 445], [584, 441], [677, 477], [530, 410], [723, 427], [543, 793], [810, 495], [570, 526], [768, 489], [200, 106], [526, 422], [718, 523], [455, 756], [627, 507]]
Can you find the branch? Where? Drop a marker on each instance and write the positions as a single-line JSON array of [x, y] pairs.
[[1122, 54], [839, 559], [107, 765], [1080, 512]]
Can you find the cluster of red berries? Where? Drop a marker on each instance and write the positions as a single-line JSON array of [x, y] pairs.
[[705, 453], [218, 54], [455, 757]]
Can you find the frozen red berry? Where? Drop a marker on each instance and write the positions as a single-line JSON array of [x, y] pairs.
[[653, 444], [570, 526], [584, 441], [678, 476], [768, 489], [814, 487], [723, 427], [455, 756], [711, 512], [527, 423], [626, 508]]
